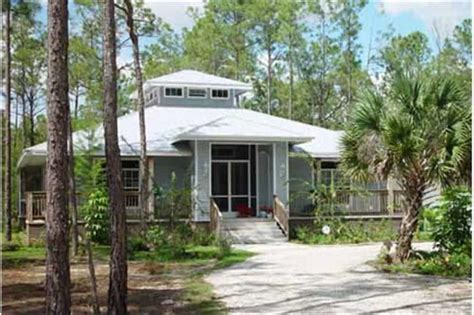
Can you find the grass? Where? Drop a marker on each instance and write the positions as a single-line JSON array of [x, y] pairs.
[[23, 256]]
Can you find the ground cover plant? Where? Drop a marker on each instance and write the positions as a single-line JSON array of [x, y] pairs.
[[450, 227], [337, 231]]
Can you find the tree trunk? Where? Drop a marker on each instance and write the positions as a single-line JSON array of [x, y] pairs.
[[269, 80], [58, 296], [290, 105], [8, 146], [72, 191], [76, 104], [144, 171], [117, 295], [32, 120], [411, 210], [90, 261]]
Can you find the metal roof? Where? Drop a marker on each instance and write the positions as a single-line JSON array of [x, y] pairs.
[[197, 78], [167, 126]]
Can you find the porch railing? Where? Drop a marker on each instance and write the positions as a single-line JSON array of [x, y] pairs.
[[36, 205], [216, 218], [281, 214], [374, 201]]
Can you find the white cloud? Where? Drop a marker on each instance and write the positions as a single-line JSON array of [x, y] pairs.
[[444, 15], [175, 12]]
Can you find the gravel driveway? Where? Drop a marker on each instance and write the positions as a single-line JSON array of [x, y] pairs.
[[288, 278]]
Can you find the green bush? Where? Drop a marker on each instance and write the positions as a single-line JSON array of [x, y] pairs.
[[96, 216], [155, 237], [225, 248], [136, 244], [10, 247], [346, 232], [452, 230]]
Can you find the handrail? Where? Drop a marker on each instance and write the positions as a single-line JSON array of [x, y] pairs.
[[36, 204], [280, 214], [216, 218]]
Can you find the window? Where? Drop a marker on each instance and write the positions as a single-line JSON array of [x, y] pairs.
[[197, 93], [230, 152], [173, 92], [223, 94], [131, 175]]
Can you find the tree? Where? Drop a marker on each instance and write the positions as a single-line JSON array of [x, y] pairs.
[[411, 133], [127, 9], [317, 65], [117, 296], [29, 61], [8, 140], [224, 24], [268, 37], [58, 295], [72, 189], [346, 18], [405, 52], [292, 32]]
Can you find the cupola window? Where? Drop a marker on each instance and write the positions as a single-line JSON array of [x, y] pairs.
[[220, 94], [173, 92], [197, 93]]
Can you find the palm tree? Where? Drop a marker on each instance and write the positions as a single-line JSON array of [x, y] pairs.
[[417, 132]]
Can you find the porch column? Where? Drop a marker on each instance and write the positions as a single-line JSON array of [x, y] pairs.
[[390, 196], [151, 196]]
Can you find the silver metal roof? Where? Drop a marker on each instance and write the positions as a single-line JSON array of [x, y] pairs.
[[166, 127]]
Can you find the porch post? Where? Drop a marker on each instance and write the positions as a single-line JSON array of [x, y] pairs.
[[151, 196], [390, 196]]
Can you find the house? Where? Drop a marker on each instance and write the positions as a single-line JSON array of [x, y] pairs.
[[231, 157]]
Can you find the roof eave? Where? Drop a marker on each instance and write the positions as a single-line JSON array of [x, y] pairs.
[[292, 140]]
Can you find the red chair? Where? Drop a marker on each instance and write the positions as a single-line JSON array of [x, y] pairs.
[[243, 210], [267, 209]]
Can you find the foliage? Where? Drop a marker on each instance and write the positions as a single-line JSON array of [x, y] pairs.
[[172, 203], [95, 212], [456, 264], [346, 232], [10, 247], [174, 241], [452, 229]]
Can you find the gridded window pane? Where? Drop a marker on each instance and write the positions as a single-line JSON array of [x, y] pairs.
[[130, 179], [174, 92], [198, 93], [220, 93]]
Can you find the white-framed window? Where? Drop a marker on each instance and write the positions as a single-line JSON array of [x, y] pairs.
[[174, 92], [220, 93], [197, 93], [131, 174]]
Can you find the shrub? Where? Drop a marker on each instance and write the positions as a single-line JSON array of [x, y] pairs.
[[155, 237], [10, 247], [452, 230], [136, 244], [225, 248], [96, 216], [346, 232]]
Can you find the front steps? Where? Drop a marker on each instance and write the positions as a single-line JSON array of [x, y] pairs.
[[252, 231]]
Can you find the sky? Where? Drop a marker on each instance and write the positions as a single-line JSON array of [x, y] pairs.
[[405, 16]]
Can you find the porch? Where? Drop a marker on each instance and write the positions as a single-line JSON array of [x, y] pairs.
[[35, 202]]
